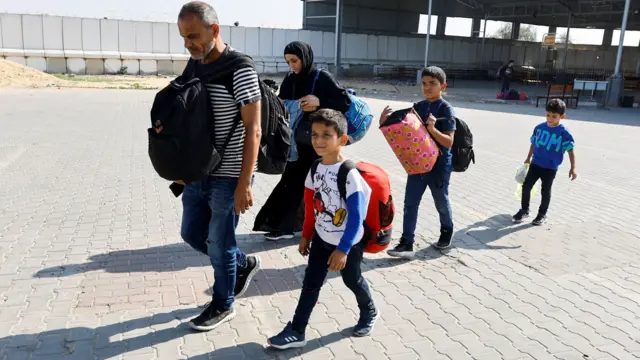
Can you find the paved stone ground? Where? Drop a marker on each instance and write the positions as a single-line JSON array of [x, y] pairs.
[[92, 267]]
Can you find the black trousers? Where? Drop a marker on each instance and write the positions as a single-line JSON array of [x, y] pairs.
[[315, 275], [534, 174]]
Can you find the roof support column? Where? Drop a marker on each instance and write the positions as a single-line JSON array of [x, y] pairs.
[[426, 54], [484, 37], [616, 82], [566, 44], [339, 19], [607, 38], [623, 29], [426, 51], [475, 27], [442, 25], [515, 30]]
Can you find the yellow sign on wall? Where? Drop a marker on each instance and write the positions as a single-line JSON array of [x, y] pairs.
[[549, 39]]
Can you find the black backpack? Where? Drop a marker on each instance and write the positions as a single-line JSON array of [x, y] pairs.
[[462, 149], [181, 138], [275, 143]]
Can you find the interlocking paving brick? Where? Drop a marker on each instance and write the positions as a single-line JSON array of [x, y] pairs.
[[92, 265]]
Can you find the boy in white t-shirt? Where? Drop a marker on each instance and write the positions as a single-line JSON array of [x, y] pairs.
[[332, 232]]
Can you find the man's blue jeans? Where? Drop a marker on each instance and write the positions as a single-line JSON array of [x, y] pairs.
[[438, 183], [209, 225]]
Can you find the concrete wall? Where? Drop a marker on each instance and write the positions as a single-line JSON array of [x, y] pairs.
[[76, 45]]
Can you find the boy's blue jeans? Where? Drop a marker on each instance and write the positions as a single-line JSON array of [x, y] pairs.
[[438, 183], [209, 224]]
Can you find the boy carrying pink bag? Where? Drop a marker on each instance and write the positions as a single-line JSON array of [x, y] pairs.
[[410, 141]]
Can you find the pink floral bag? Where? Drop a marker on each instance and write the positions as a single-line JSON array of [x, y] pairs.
[[410, 141]]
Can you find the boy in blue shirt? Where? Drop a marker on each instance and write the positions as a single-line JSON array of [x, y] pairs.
[[332, 232], [549, 142], [439, 118]]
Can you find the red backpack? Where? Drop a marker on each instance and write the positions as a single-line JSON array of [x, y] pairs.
[[378, 223]]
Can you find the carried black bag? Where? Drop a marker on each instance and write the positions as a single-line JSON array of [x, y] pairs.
[[462, 149], [180, 137], [275, 143]]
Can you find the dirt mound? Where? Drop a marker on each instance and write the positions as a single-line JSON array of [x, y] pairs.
[[16, 75]]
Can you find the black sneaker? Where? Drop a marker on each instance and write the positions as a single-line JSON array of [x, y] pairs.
[[539, 220], [287, 339], [446, 235], [278, 235], [522, 214], [365, 324], [211, 318], [244, 275], [404, 250]]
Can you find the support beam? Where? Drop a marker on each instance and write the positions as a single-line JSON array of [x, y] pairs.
[[484, 36], [515, 31], [566, 44], [607, 38], [616, 82], [304, 14], [475, 28], [623, 29], [442, 26], [426, 53], [472, 4], [339, 19]]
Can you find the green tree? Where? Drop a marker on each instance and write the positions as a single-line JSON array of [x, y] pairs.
[[527, 32], [504, 32], [562, 39]]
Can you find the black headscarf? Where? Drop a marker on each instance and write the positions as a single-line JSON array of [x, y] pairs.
[[304, 52], [296, 86]]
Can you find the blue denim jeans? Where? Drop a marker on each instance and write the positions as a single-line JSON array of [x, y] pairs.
[[438, 183], [209, 225]]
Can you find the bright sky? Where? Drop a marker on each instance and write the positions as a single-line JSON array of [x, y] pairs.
[[283, 14], [462, 27]]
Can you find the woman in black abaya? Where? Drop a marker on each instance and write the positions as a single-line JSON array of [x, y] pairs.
[[283, 214]]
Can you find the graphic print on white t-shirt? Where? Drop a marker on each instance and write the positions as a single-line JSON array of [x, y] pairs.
[[330, 209]]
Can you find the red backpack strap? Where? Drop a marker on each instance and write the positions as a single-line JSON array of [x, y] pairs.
[[344, 170]]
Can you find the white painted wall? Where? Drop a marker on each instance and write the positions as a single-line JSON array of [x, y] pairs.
[[140, 46]]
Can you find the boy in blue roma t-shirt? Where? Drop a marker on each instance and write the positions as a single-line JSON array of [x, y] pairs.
[[549, 142], [438, 116]]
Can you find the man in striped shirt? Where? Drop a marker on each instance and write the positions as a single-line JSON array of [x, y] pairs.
[[212, 206]]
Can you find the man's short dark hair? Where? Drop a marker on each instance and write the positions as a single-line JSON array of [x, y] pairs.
[[512, 61], [203, 11], [331, 118], [557, 106], [435, 72]]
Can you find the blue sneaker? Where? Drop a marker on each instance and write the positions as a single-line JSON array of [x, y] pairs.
[[287, 339], [365, 325]]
